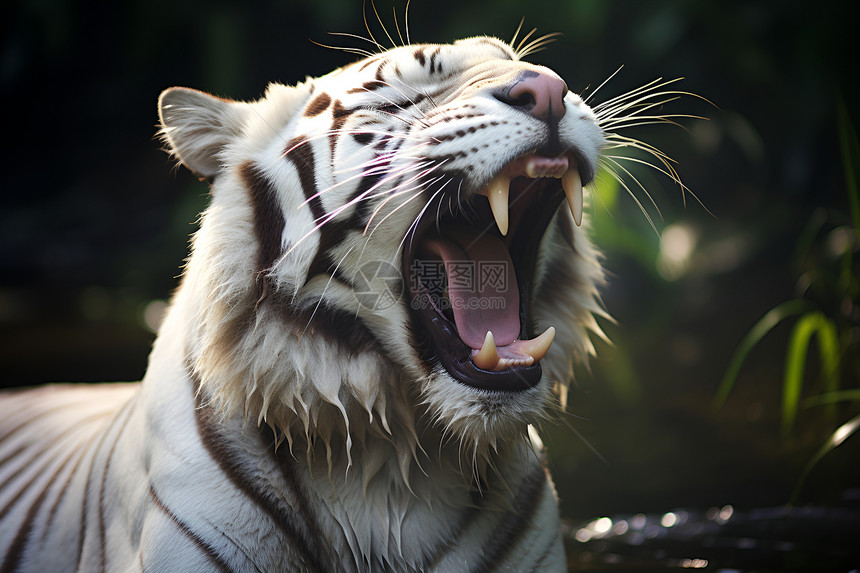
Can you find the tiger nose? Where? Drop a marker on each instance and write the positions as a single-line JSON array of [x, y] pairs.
[[540, 94]]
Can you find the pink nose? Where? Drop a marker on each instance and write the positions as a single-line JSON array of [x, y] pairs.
[[540, 94]]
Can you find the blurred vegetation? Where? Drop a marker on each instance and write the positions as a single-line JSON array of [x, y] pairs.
[[94, 221]]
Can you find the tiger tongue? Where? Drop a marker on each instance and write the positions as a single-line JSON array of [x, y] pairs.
[[482, 285]]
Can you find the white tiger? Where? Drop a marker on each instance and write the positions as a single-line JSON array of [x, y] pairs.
[[382, 296]]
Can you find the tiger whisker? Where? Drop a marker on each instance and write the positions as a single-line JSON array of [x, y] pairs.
[[393, 211], [623, 183], [614, 160], [357, 51], [413, 227], [652, 120], [382, 24], [397, 24], [616, 140], [376, 166], [651, 86], [517, 33], [670, 174], [349, 131], [603, 83], [322, 221], [664, 159], [368, 194], [638, 110], [398, 106], [537, 45], [325, 288], [639, 106], [406, 22], [401, 92], [367, 25], [523, 40], [395, 193]]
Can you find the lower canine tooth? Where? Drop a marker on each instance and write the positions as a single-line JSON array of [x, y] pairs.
[[487, 358], [538, 347], [497, 193], [573, 191]]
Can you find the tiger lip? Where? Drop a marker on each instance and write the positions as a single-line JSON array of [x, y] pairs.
[[562, 167]]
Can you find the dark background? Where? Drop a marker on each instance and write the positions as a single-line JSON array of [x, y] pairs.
[[94, 219]]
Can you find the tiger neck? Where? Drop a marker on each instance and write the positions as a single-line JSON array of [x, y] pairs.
[[343, 456]]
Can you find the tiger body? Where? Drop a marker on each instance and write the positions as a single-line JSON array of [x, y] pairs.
[[285, 423]]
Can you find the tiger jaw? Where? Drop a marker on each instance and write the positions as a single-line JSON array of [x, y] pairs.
[[482, 334]]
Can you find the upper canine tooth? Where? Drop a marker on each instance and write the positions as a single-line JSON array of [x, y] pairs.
[[573, 191], [497, 193], [538, 347], [487, 358]]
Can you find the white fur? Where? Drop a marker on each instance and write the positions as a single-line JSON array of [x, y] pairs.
[[392, 452]]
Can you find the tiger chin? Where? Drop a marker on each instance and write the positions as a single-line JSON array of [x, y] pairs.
[[387, 290]]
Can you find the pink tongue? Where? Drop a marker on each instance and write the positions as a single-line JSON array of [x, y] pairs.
[[482, 286]]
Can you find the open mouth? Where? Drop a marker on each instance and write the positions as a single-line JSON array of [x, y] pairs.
[[470, 272]]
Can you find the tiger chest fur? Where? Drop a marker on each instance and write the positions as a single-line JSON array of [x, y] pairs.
[[389, 286]]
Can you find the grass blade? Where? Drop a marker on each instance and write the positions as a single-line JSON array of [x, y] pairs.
[[814, 323], [842, 433], [767, 323]]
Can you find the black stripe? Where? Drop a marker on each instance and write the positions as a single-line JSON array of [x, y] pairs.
[[29, 415], [332, 232], [465, 521], [368, 87], [84, 518], [268, 217], [126, 411], [339, 116], [514, 523], [433, 56], [293, 523], [200, 543], [539, 565], [33, 457], [16, 549], [52, 513], [318, 105], [365, 63]]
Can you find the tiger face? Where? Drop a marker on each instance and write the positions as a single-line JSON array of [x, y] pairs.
[[403, 237]]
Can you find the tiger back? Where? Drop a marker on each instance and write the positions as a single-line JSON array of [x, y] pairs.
[[384, 296]]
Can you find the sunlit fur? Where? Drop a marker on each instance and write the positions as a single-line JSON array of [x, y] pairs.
[[380, 450], [272, 373]]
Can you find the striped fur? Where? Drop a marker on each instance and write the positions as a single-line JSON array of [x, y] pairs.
[[283, 424]]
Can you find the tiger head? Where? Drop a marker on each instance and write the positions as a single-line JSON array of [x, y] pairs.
[[397, 243]]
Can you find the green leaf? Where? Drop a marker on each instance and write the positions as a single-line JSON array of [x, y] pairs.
[[833, 397], [814, 323], [752, 338]]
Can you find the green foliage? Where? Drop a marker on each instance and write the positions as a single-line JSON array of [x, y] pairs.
[[827, 312], [761, 328]]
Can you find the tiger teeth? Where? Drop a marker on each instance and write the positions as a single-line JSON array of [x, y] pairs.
[[572, 185], [538, 347], [488, 357], [497, 193], [519, 353]]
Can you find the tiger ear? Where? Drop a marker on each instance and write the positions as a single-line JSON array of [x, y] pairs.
[[197, 127]]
